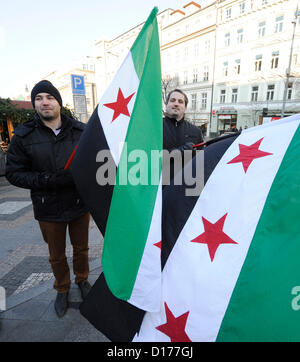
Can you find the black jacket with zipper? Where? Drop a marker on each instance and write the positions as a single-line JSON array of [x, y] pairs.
[[178, 133], [36, 152]]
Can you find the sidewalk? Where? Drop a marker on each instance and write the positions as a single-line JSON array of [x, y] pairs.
[[26, 277], [30, 316]]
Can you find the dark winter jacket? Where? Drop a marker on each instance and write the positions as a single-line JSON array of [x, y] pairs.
[[179, 133], [35, 160]]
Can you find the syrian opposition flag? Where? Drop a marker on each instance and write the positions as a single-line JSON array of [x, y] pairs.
[[232, 269], [117, 186]]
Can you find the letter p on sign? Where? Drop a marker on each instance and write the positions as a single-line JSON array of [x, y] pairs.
[[78, 84], [77, 81]]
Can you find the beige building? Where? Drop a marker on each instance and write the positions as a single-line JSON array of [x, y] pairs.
[[231, 57], [84, 104], [253, 51]]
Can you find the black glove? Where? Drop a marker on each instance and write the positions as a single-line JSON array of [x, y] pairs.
[[61, 178], [186, 146]]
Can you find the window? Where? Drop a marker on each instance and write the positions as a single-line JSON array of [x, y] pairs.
[[186, 52], [254, 94], [177, 56], [194, 101], [225, 69], [203, 100], [261, 29], [264, 2], [196, 50], [270, 92], [222, 95], [274, 60], [227, 39], [258, 63], [185, 77], [195, 75], [85, 66], [295, 59], [240, 36], [279, 24], [207, 46], [289, 91], [242, 7], [228, 13], [237, 66], [206, 72], [234, 95]]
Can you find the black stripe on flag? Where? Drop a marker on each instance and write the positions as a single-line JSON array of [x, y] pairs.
[[84, 169], [119, 321]]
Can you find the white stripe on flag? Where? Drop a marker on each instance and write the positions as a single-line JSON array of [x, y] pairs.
[[191, 281], [115, 132], [150, 262]]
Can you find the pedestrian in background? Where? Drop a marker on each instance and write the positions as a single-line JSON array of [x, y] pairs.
[[179, 133], [36, 159]]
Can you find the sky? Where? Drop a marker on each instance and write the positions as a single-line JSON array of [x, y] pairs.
[[37, 36]]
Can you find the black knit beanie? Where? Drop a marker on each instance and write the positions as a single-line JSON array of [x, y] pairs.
[[44, 86]]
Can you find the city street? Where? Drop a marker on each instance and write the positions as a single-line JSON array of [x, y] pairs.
[[26, 277]]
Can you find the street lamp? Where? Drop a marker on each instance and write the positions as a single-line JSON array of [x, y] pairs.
[[288, 71]]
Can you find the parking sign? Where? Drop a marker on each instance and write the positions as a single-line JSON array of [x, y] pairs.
[[77, 84]]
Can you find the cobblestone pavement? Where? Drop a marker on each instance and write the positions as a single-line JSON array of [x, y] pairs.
[[27, 280]]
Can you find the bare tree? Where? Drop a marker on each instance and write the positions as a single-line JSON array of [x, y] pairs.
[[167, 84]]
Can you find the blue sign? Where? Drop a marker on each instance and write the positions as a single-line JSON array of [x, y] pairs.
[[78, 84]]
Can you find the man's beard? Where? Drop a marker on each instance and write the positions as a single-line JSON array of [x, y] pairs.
[[174, 115], [47, 118]]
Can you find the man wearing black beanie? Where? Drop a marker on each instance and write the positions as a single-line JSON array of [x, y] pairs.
[[36, 160]]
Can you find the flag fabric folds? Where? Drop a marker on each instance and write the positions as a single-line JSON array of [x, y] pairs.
[[120, 321], [231, 274], [127, 209]]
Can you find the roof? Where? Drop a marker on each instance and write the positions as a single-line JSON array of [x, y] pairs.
[[178, 11], [22, 104], [192, 3]]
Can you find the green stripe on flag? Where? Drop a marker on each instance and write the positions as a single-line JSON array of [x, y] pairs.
[[132, 205], [260, 308], [144, 40]]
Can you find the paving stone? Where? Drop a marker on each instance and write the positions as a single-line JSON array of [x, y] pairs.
[[34, 331], [30, 310], [24, 271]]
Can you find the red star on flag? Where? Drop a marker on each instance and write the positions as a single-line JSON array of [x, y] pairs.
[[158, 244], [213, 236], [175, 327], [120, 106], [249, 153]]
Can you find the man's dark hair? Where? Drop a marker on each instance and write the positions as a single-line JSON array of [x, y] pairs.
[[186, 100]]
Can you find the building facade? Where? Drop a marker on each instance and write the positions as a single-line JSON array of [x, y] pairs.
[[84, 104], [253, 59], [237, 60]]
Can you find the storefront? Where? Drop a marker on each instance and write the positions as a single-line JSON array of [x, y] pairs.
[[226, 122], [6, 130]]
